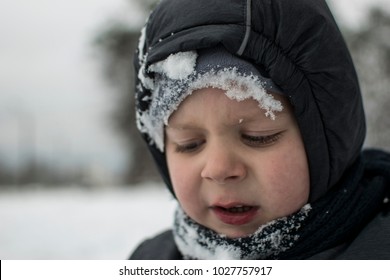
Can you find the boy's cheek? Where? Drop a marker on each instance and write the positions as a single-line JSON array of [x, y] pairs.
[[178, 174]]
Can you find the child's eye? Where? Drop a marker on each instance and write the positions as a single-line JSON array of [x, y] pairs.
[[261, 141], [189, 147]]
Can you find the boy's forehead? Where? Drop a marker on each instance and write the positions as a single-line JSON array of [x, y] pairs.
[[198, 108]]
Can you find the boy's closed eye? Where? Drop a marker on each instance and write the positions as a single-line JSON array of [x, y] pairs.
[[259, 141], [189, 147], [251, 140]]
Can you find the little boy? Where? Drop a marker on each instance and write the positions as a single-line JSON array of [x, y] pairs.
[[253, 113]]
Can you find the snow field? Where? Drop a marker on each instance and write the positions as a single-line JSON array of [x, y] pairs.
[[74, 223]]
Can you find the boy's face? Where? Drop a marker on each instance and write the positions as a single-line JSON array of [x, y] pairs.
[[234, 169]]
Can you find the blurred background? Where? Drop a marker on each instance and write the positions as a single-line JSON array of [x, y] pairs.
[[76, 181]]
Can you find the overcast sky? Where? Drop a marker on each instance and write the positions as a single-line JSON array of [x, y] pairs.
[[53, 98]]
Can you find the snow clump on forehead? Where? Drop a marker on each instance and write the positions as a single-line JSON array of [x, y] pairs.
[[180, 74]]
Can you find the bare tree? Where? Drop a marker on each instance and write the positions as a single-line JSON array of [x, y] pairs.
[[117, 45], [370, 48]]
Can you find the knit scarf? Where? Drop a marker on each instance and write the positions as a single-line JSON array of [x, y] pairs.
[[198, 242], [328, 222]]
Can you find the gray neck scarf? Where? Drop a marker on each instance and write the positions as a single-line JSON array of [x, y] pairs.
[[195, 241]]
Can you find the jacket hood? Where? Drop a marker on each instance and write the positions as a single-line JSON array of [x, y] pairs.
[[297, 43]]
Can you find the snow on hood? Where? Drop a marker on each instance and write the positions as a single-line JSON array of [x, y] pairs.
[[179, 75]]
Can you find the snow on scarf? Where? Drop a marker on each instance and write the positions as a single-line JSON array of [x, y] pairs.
[[198, 242]]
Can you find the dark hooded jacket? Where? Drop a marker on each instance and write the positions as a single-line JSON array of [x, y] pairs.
[[299, 46]]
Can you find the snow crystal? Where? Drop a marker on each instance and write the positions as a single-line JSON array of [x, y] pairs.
[[177, 66], [227, 253], [192, 245], [141, 44], [145, 81], [239, 87]]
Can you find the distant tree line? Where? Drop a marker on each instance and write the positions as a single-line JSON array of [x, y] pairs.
[[32, 172]]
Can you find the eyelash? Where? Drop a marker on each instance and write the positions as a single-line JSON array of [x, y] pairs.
[[261, 141], [188, 148], [253, 141]]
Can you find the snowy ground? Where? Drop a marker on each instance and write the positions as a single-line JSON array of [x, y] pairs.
[[74, 223]]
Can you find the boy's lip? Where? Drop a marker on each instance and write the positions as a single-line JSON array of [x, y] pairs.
[[235, 213]]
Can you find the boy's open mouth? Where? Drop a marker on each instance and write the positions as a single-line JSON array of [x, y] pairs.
[[235, 215], [236, 209]]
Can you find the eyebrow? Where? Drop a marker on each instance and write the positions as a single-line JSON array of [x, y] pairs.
[[180, 126], [240, 120]]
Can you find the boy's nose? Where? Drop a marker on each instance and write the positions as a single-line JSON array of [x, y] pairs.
[[223, 166]]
